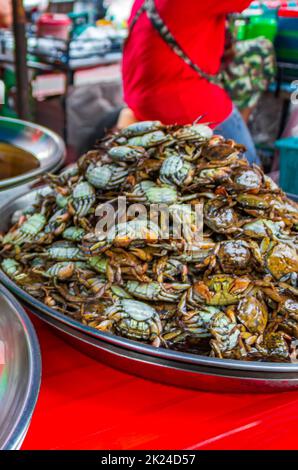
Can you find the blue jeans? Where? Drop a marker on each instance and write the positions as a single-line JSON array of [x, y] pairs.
[[235, 128]]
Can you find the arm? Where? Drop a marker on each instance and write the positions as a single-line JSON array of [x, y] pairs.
[[5, 14]]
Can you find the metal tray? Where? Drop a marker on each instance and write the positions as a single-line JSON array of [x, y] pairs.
[[177, 368], [20, 371], [44, 144]]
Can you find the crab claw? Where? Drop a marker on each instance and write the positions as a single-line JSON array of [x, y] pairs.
[[202, 291], [240, 285]]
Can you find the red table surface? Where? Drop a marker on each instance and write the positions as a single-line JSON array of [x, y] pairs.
[[84, 404]]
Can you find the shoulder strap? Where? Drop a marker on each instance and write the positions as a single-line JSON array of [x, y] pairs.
[[140, 11], [160, 26]]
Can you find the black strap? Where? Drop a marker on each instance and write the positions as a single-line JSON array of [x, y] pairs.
[[160, 26], [137, 15]]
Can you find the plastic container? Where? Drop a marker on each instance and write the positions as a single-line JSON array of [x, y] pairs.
[[80, 22], [288, 149], [265, 26], [286, 43], [54, 25], [288, 12]]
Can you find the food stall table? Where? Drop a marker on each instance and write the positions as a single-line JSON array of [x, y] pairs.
[[84, 404]]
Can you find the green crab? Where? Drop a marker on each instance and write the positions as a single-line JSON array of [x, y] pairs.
[[155, 291], [134, 320], [136, 230], [220, 290], [212, 175], [141, 128], [261, 227], [151, 139], [197, 321], [253, 314], [13, 269], [220, 217], [176, 170], [64, 251], [280, 260], [226, 338], [236, 256], [106, 176], [73, 234], [83, 198], [274, 346], [126, 154], [288, 316], [61, 271], [151, 193], [27, 231], [248, 179], [194, 132]]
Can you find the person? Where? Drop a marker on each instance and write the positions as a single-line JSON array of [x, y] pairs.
[[5, 14], [171, 66]]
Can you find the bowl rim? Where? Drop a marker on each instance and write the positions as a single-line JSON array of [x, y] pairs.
[[18, 432], [58, 157]]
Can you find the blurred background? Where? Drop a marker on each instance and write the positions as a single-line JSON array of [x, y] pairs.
[[68, 74]]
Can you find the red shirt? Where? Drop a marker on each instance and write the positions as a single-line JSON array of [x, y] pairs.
[[157, 83]]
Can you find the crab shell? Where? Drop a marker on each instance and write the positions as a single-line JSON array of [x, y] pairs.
[[141, 128], [175, 170], [83, 198], [134, 320], [124, 153], [253, 314], [106, 176], [221, 289], [220, 218]]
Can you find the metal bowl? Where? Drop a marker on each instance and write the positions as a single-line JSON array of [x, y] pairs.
[[42, 143], [20, 371], [183, 369]]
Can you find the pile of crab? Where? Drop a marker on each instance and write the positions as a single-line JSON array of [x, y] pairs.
[[234, 296]]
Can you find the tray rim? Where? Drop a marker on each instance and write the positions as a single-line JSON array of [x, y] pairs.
[[167, 354], [19, 430], [58, 157], [136, 356]]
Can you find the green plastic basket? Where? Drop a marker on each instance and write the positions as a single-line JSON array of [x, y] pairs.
[[261, 26], [288, 149]]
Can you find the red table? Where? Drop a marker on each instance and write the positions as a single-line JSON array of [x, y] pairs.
[[84, 404]]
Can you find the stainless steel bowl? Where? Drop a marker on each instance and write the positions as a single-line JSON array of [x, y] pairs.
[[20, 371], [42, 143], [183, 369]]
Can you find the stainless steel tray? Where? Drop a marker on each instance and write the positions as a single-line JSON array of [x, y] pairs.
[[44, 144], [41, 142], [20, 371], [183, 369]]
